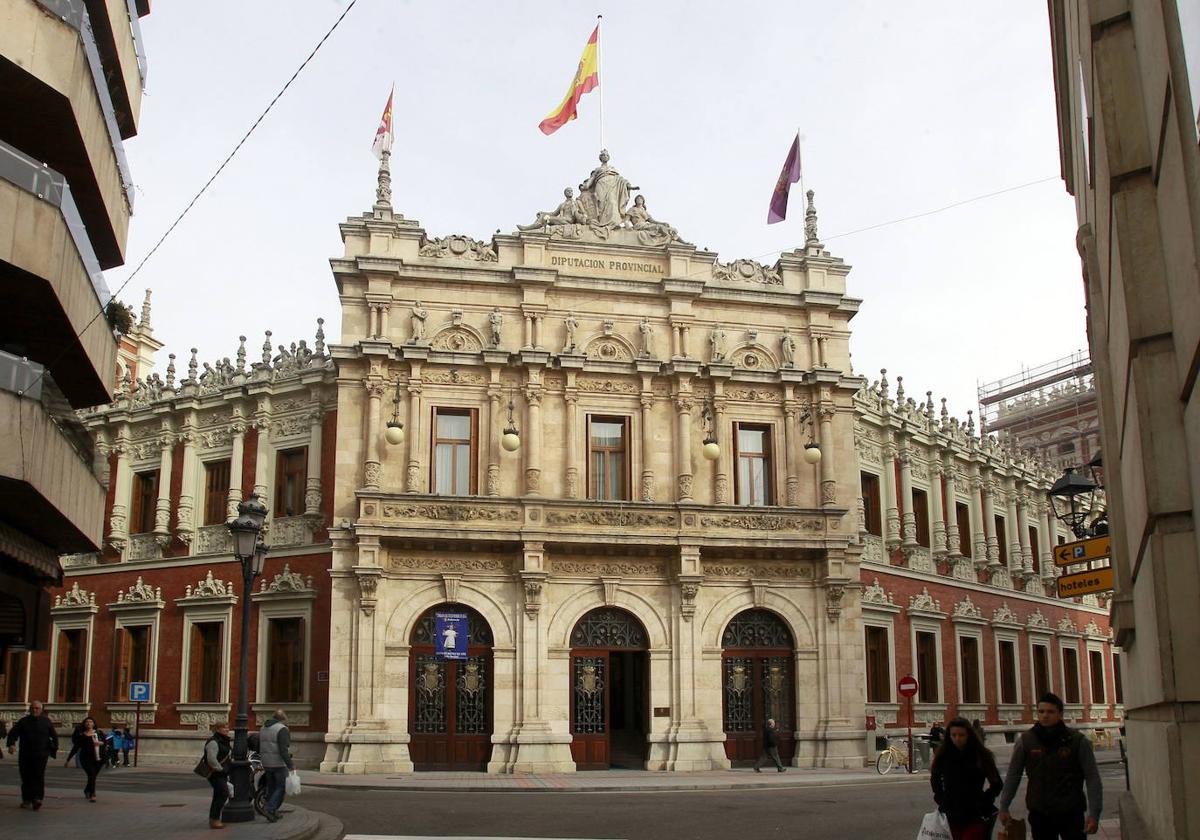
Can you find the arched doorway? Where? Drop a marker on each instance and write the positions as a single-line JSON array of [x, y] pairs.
[[609, 690], [450, 703], [757, 683]]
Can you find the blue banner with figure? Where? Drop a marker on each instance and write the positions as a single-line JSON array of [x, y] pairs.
[[450, 635]]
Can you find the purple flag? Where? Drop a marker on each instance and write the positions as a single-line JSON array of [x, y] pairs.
[[789, 176]]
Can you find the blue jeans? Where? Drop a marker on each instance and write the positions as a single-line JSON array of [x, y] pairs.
[[276, 787]]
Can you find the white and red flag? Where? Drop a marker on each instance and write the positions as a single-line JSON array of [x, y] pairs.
[[383, 135]]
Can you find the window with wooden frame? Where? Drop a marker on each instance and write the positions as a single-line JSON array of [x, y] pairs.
[[291, 475], [920, 503], [455, 431], [1001, 538], [968, 655], [216, 492], [131, 659], [879, 667], [872, 519], [1007, 662], [1118, 689], [1096, 673], [1034, 549], [12, 676], [927, 667], [204, 668], [962, 515], [1070, 658], [70, 669], [608, 457], [285, 660], [145, 496], [752, 453], [1041, 670]]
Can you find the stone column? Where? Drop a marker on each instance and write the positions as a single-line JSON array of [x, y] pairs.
[[683, 440], [826, 414], [1013, 538], [100, 452], [1023, 534], [537, 331], [384, 310], [118, 523], [162, 505], [813, 354], [685, 341], [413, 479], [978, 536], [533, 433], [952, 535], [571, 398], [262, 452], [646, 401], [238, 427], [495, 428], [891, 512], [989, 519], [675, 343], [528, 333], [372, 465], [724, 436], [312, 484], [908, 527], [185, 521], [1046, 532], [936, 499], [790, 417]]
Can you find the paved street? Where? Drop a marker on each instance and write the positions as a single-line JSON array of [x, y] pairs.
[[863, 806]]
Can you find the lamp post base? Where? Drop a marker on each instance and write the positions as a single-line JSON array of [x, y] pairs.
[[241, 807]]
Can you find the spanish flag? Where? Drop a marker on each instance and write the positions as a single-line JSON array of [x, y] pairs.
[[587, 77]]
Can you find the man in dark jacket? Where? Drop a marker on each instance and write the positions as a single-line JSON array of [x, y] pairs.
[[39, 743], [1058, 761], [770, 747], [275, 750]]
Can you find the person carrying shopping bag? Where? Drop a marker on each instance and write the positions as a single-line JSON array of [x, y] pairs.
[[88, 743], [965, 782], [218, 752]]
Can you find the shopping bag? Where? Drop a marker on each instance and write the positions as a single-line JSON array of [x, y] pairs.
[[293, 784], [934, 826], [1015, 830], [229, 789]]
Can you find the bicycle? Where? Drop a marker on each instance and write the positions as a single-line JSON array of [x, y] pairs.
[[895, 756], [258, 783]]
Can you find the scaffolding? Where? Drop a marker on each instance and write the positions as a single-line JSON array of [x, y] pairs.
[[1043, 391]]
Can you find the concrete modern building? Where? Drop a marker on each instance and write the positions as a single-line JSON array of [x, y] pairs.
[[71, 76], [1127, 79]]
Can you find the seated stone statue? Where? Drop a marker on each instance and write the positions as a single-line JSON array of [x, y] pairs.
[[650, 230], [570, 212]]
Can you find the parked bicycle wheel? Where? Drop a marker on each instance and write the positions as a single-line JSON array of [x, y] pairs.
[[885, 762]]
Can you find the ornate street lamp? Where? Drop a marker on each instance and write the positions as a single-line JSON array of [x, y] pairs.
[[250, 550], [1072, 498], [394, 434]]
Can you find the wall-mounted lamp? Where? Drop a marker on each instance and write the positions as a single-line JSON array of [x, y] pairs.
[[394, 434], [712, 449], [510, 441], [1073, 498], [812, 449]]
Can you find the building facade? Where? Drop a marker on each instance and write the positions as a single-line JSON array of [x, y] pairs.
[[1127, 85], [71, 76]]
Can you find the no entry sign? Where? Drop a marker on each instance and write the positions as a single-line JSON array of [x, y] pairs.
[[907, 686]]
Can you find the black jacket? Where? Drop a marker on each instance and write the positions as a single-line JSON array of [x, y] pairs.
[[964, 786], [82, 744], [770, 737], [35, 736]]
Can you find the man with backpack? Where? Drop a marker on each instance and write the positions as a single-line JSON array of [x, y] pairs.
[[275, 751]]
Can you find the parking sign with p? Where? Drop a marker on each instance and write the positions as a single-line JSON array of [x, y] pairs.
[[139, 692]]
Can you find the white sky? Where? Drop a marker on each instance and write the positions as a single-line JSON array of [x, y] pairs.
[[904, 109]]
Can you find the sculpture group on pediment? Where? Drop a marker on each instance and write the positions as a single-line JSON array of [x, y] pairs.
[[458, 247], [746, 271]]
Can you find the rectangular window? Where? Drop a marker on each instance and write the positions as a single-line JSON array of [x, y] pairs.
[[879, 671], [927, 667], [920, 503], [1008, 672], [71, 666], [1041, 671], [1096, 672], [1001, 538], [753, 455], [145, 495], [216, 491], [204, 669], [1118, 690], [1070, 675], [870, 498], [131, 659], [962, 515], [454, 432], [968, 652], [285, 660], [1034, 549], [12, 677], [608, 458], [291, 474]]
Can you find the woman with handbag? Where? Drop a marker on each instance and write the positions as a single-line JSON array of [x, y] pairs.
[[217, 754], [88, 743], [965, 782]]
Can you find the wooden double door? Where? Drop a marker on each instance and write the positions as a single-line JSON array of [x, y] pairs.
[[757, 684], [609, 691], [450, 702]]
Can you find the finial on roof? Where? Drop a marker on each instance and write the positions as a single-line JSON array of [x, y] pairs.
[[241, 354], [193, 367], [900, 390], [171, 370], [144, 321], [810, 223], [971, 422], [383, 186], [319, 346], [266, 357], [945, 412]]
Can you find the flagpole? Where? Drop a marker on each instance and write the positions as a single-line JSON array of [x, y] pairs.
[[800, 158], [600, 73]]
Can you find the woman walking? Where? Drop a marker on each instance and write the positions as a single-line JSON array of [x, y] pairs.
[[217, 752], [965, 782], [88, 743]]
